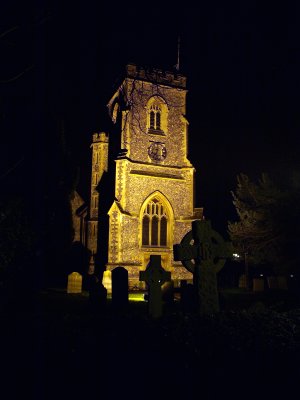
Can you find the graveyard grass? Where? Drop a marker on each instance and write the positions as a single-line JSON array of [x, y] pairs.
[[60, 346]]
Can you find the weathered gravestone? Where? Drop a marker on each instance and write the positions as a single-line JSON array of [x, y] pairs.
[[155, 276], [106, 281], [277, 282], [203, 252], [272, 282], [74, 283], [258, 284], [242, 282], [282, 282], [119, 285]]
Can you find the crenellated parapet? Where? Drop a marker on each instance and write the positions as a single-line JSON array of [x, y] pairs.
[[156, 76], [101, 137]]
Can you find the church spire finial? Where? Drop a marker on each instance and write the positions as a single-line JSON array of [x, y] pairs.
[[178, 54]]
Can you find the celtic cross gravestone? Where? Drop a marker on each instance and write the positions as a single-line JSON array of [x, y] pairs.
[[203, 252]]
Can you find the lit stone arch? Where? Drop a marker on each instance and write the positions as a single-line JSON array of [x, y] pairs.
[[156, 221], [157, 115]]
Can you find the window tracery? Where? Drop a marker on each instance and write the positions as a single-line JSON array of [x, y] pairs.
[[154, 224]]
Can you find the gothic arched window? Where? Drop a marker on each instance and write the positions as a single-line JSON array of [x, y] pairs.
[[154, 224]]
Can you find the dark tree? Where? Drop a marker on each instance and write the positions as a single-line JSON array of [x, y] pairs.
[[267, 230], [57, 184], [17, 240]]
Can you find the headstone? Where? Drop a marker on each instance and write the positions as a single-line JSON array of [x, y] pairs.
[[242, 282], [97, 293], [155, 276], [74, 283], [272, 282], [119, 285], [106, 280], [282, 282], [258, 284], [203, 252]]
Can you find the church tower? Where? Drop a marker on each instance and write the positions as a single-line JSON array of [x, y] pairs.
[[153, 202]]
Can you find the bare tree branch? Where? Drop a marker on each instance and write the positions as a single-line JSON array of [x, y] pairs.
[[14, 28], [12, 168], [14, 78]]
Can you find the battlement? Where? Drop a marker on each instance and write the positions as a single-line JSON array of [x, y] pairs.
[[100, 137], [156, 76]]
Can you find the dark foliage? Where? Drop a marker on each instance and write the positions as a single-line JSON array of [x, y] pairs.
[[267, 230]]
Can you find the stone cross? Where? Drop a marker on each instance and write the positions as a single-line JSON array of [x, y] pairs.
[[155, 276], [203, 252]]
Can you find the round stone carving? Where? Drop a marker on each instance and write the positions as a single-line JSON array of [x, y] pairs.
[[157, 151]]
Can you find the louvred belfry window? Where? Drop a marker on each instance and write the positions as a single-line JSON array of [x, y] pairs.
[[155, 117]]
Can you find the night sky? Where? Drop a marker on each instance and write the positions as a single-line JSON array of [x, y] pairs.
[[241, 59]]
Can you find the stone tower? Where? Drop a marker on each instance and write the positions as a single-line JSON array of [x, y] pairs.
[[99, 166], [152, 206]]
